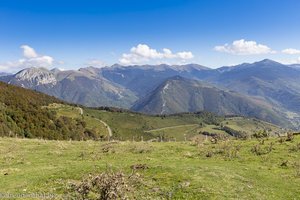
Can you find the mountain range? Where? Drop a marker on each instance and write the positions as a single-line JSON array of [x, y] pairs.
[[177, 95], [266, 90], [84, 86], [4, 74]]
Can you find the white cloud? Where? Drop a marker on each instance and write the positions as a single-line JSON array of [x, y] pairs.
[[185, 55], [289, 61], [28, 52], [142, 53], [243, 47], [95, 63], [30, 59], [291, 51]]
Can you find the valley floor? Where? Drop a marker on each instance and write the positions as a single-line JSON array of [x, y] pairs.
[[233, 169]]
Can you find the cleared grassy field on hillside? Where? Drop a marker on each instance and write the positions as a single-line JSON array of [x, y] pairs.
[[129, 126], [234, 169], [133, 126]]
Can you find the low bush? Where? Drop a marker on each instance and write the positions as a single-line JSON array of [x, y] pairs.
[[106, 186], [261, 149]]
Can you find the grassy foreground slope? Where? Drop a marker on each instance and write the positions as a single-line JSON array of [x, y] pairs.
[[236, 169]]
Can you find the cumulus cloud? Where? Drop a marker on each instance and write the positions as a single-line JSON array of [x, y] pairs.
[[28, 52], [30, 59], [244, 47], [143, 53], [185, 55], [291, 51]]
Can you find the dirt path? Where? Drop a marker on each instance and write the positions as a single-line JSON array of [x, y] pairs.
[[81, 111], [170, 127], [105, 124]]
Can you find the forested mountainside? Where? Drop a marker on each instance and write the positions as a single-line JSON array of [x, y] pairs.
[[24, 113]]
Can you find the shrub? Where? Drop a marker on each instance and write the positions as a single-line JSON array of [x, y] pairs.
[[109, 147], [209, 154], [260, 149], [228, 150], [295, 148], [261, 134], [290, 137], [107, 185]]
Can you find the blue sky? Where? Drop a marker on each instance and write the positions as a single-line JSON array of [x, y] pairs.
[[73, 34]]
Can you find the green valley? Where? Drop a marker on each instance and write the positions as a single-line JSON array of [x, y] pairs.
[[67, 151]]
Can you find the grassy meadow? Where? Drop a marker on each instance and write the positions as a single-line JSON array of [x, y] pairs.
[[232, 169], [131, 126]]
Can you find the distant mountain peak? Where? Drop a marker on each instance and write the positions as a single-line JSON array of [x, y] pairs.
[[36, 76], [268, 62], [90, 70]]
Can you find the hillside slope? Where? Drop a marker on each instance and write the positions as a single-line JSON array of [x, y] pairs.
[[179, 94], [24, 113]]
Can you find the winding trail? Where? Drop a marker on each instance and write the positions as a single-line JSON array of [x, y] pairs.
[[81, 111], [105, 124]]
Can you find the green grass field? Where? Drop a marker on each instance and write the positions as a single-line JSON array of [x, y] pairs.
[[178, 170], [129, 126], [248, 124], [137, 127]]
